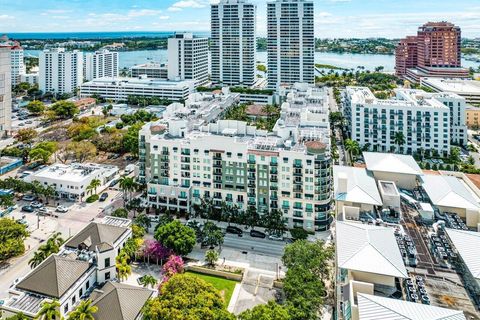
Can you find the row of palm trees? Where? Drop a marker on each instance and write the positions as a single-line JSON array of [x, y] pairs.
[[34, 187], [353, 147]]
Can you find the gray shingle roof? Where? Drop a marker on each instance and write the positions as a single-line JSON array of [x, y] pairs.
[[54, 276], [119, 301], [98, 235]]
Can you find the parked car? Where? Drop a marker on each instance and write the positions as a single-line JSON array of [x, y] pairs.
[[29, 197], [104, 196], [36, 204], [44, 211], [276, 237], [28, 209], [29, 122], [113, 183], [257, 234], [61, 209], [234, 230]]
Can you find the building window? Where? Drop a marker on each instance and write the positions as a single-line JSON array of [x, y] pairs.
[[80, 292], [87, 285], [107, 275], [107, 262], [74, 299], [65, 309]]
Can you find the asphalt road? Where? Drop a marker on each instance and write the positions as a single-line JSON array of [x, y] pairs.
[[254, 245]]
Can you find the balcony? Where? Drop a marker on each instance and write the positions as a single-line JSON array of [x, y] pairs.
[[251, 161], [273, 179], [273, 164]]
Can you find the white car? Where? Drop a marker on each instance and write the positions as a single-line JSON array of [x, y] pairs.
[[44, 210], [276, 237], [61, 209], [36, 204]]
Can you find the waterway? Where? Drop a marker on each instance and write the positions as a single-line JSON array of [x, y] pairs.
[[346, 60]]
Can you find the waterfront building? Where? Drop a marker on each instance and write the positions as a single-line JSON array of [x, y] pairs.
[[16, 58], [434, 52], [188, 58], [60, 71], [102, 63], [85, 262], [71, 181], [412, 121], [290, 42], [233, 43], [151, 70], [190, 155], [5, 91], [118, 89], [468, 89]]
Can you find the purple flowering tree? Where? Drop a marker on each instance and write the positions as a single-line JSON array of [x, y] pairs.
[[173, 266], [152, 249]]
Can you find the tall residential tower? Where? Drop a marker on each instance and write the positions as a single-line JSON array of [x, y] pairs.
[[102, 63], [233, 43], [60, 71], [5, 91], [17, 64], [290, 42], [188, 58]]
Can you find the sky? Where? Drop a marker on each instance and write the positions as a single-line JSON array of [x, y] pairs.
[[333, 18]]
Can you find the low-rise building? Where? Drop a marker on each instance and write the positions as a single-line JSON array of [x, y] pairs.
[[8, 164], [119, 89], [401, 169], [71, 181], [85, 103], [372, 307], [414, 120], [151, 70], [466, 88], [191, 154], [473, 118], [30, 78], [85, 261], [368, 261]]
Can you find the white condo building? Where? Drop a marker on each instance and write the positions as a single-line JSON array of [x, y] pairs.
[[290, 42], [118, 89], [16, 59], [190, 155], [5, 91], [188, 58], [233, 42], [151, 70], [60, 71], [425, 121], [99, 64]]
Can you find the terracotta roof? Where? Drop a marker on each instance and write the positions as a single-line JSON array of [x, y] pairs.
[[118, 301], [54, 276], [475, 178]]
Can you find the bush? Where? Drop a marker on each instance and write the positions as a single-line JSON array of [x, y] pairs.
[[92, 198], [299, 233]]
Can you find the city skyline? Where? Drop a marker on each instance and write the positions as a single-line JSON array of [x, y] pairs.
[[333, 18]]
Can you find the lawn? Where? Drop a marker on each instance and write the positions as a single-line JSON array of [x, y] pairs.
[[225, 286]]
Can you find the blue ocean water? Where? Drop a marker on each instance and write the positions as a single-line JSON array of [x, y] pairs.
[[97, 35]]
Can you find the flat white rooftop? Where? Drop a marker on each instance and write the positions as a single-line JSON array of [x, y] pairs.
[[71, 173], [459, 86], [141, 82]]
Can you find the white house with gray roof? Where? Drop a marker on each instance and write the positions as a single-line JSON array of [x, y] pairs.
[[84, 262]]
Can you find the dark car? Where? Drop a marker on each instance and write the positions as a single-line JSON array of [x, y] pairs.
[[234, 230], [257, 234], [113, 183], [28, 209], [104, 196]]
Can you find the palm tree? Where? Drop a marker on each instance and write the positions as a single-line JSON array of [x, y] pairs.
[[94, 184], [127, 184], [352, 148], [18, 316], [49, 311], [36, 188], [37, 258], [148, 280], [48, 192], [399, 139], [123, 270], [84, 311]]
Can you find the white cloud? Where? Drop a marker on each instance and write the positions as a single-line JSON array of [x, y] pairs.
[[187, 4], [144, 13]]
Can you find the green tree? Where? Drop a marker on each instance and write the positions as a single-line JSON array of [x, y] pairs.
[[48, 192], [352, 147], [38, 257], [455, 155], [186, 297], [211, 256], [52, 246], [64, 109], [49, 311], [212, 235], [123, 269], [6, 201], [26, 135], [130, 139], [399, 140], [269, 311], [39, 154], [148, 281], [177, 237], [127, 185], [273, 222], [143, 220], [120, 213], [94, 184], [18, 316], [36, 107], [12, 237], [252, 217], [84, 311]]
